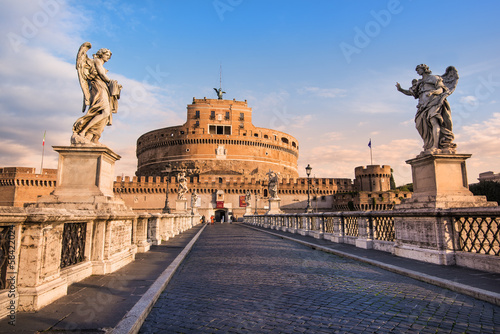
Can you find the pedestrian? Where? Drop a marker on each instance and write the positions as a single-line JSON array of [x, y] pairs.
[[222, 219]]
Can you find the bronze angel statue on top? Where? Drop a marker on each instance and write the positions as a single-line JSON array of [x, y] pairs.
[[100, 94], [433, 118]]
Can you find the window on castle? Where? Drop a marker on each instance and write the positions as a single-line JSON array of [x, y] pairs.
[[197, 114], [227, 114], [219, 129], [242, 116], [212, 114]]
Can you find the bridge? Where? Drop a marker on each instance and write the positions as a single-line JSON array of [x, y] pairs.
[[259, 277]]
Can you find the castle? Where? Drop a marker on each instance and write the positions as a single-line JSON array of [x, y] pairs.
[[224, 157]]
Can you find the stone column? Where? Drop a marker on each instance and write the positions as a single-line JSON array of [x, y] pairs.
[[141, 233], [364, 239]]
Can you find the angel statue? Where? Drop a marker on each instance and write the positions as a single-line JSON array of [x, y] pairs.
[[273, 184], [100, 94], [219, 93], [433, 118], [183, 188], [248, 197]]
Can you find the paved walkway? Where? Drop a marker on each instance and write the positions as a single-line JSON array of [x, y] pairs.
[[239, 280], [98, 303]]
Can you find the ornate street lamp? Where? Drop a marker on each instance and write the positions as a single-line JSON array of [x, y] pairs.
[[167, 170], [308, 172], [256, 213]]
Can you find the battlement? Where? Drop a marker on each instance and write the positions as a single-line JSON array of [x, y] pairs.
[[231, 185], [219, 102], [374, 170]]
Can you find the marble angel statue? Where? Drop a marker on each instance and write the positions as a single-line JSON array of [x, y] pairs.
[[433, 117], [100, 95], [273, 184]]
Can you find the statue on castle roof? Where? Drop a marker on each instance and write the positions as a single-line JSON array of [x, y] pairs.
[[433, 117], [219, 93], [100, 94], [273, 184]]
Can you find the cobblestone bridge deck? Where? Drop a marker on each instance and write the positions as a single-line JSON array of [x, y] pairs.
[[239, 280]]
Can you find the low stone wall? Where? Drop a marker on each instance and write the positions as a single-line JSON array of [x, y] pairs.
[[464, 237], [44, 250]]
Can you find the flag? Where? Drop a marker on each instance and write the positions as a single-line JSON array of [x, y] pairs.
[[370, 143], [43, 143]]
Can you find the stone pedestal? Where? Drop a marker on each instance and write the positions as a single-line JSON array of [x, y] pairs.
[[84, 178], [181, 206], [274, 206], [439, 182], [248, 211]]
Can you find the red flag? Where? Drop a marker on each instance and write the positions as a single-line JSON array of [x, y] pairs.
[[43, 143]]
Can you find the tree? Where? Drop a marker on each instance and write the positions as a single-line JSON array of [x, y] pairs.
[[489, 189], [393, 183]]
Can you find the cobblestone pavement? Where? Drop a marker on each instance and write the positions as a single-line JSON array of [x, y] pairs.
[[238, 280]]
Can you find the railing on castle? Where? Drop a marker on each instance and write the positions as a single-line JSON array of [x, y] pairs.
[[474, 230]]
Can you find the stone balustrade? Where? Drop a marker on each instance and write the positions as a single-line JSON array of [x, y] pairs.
[[465, 237], [44, 250]]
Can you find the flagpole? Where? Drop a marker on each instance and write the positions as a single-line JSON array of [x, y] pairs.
[[371, 155], [43, 151]]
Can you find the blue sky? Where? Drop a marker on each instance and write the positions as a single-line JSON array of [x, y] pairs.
[[322, 71]]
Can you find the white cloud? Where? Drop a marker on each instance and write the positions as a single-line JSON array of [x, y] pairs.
[[323, 92], [468, 99], [39, 91]]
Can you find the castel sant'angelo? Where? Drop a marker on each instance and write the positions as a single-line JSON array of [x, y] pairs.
[[219, 158], [225, 158]]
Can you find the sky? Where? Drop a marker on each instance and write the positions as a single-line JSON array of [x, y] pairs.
[[321, 71]]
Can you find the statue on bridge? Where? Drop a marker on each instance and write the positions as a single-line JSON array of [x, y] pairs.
[[273, 184], [183, 188], [248, 197], [433, 117], [100, 94]]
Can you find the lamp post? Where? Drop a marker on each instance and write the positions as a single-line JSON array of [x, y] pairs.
[[308, 172], [167, 170], [256, 213]]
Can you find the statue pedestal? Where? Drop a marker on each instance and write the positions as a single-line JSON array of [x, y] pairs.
[[181, 206], [85, 176], [274, 206], [440, 181], [248, 211]]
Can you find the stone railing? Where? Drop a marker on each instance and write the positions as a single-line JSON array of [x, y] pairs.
[[465, 237], [43, 251]]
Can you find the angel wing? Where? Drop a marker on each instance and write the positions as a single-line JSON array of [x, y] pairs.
[[450, 79], [83, 67]]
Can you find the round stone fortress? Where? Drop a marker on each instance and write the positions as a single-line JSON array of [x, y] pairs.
[[218, 138]]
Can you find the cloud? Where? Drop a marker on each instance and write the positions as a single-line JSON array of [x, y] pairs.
[[323, 92], [471, 100], [339, 160], [39, 90]]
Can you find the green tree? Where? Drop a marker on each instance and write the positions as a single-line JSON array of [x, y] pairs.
[[406, 187], [489, 189], [393, 183]]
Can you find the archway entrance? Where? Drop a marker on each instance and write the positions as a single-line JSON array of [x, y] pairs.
[[219, 214]]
